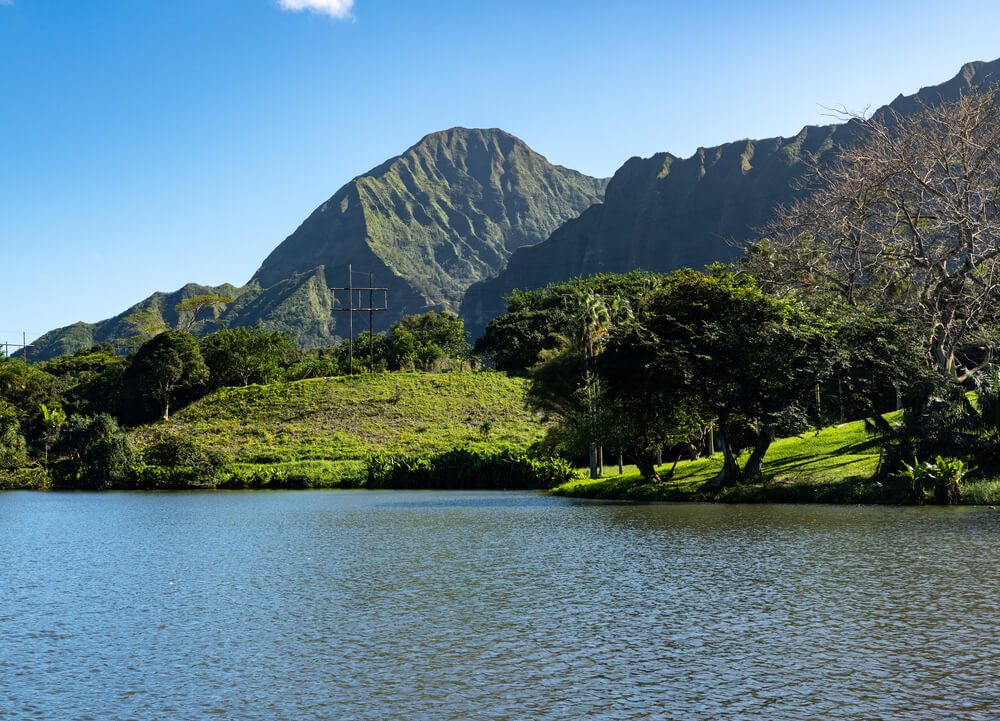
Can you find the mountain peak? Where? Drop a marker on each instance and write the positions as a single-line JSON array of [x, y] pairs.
[[445, 213]]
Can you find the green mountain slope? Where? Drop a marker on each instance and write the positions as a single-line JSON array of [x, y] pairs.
[[118, 330], [446, 213], [664, 212], [428, 223]]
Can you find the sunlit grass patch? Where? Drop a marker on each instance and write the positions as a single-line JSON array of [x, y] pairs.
[[344, 419], [829, 464]]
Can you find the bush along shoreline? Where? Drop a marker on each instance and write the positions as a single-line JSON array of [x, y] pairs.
[[181, 465]]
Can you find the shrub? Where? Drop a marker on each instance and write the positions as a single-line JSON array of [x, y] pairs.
[[468, 469], [13, 449], [98, 454], [185, 462], [941, 480]]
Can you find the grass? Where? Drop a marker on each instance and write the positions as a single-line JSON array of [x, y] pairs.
[[831, 465], [326, 427], [981, 492]]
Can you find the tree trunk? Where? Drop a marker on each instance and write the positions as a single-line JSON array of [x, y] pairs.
[[752, 470], [673, 467], [593, 460], [166, 410], [647, 465], [621, 465], [730, 473]]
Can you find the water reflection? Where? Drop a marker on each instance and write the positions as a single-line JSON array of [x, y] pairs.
[[491, 606]]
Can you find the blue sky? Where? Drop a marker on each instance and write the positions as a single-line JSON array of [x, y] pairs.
[[147, 143]]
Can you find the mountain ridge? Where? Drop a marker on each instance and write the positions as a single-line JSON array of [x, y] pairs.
[[664, 212], [464, 216], [427, 223]]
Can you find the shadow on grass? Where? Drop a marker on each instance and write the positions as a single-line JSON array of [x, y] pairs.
[[818, 463], [853, 489]]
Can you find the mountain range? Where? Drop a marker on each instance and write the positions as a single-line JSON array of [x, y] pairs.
[[465, 216], [664, 212], [426, 224]]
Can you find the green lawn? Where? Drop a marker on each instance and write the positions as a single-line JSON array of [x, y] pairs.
[[831, 464], [327, 426]]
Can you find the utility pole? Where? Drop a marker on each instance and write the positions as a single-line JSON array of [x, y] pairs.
[[371, 321], [352, 308], [350, 321], [24, 345]]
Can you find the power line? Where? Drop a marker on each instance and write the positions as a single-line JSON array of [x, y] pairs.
[[351, 309], [24, 345]]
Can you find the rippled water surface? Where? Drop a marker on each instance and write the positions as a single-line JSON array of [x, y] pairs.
[[354, 605]]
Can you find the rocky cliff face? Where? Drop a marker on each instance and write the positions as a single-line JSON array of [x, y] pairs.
[[663, 212]]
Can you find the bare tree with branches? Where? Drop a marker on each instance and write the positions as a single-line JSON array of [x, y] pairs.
[[907, 219]]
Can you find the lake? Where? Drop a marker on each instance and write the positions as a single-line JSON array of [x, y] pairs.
[[446, 605]]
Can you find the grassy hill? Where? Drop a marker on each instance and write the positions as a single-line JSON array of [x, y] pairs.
[[833, 465], [324, 428]]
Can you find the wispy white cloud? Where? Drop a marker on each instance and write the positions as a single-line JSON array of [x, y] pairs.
[[339, 9]]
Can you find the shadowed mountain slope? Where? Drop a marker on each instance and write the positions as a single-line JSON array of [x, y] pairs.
[[664, 212]]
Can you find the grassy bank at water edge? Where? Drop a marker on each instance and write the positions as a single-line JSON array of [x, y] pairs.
[[833, 465]]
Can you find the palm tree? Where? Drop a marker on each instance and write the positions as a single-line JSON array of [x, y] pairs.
[[53, 420], [594, 318]]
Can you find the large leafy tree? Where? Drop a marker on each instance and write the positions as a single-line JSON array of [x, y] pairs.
[[27, 388], [13, 449], [96, 453], [564, 382], [534, 319], [748, 360], [644, 404], [422, 341], [241, 356], [191, 310], [89, 378], [166, 370], [906, 220]]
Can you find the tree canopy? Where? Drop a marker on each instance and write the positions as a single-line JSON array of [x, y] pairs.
[[241, 356], [907, 220], [165, 370]]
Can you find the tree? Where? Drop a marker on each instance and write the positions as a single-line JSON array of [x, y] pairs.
[[97, 452], [907, 219], [373, 352], [535, 318], [145, 324], [241, 356], [423, 341], [167, 369], [13, 449], [189, 309], [26, 388], [53, 420], [90, 380], [645, 404], [563, 381], [747, 360], [594, 316]]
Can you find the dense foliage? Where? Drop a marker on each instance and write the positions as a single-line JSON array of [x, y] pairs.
[[74, 418], [468, 469]]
